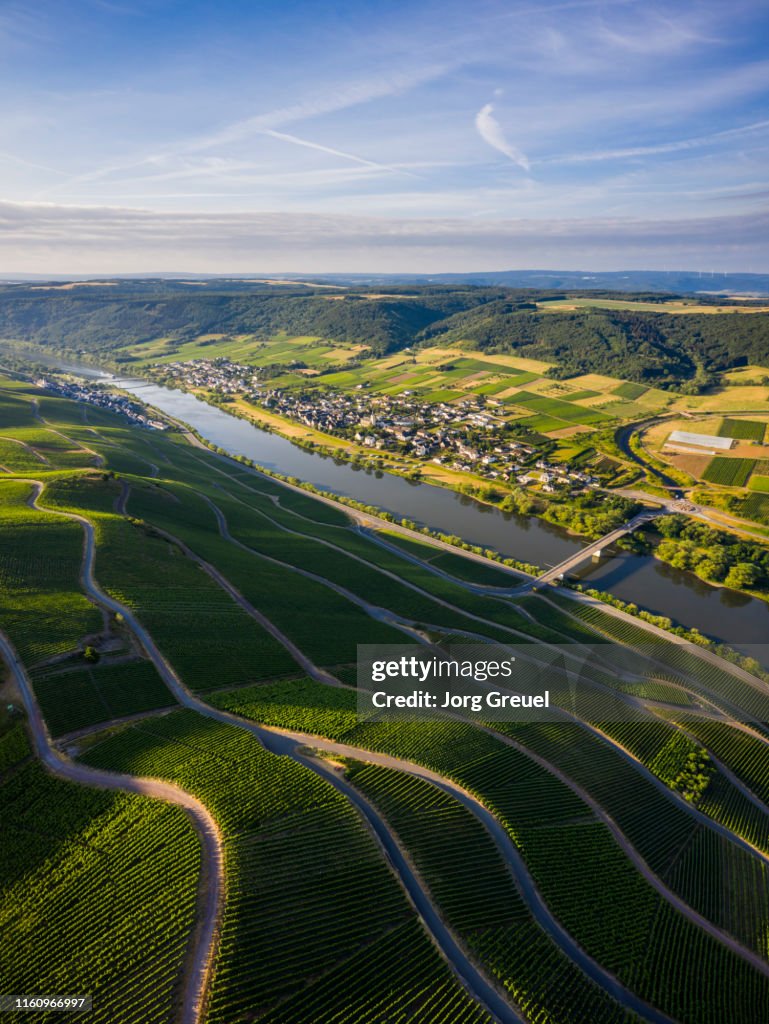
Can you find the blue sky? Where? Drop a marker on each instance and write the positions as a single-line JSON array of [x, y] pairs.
[[142, 135]]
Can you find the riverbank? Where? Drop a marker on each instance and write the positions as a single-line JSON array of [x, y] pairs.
[[728, 616]]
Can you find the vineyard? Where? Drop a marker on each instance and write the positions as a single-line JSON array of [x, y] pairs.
[[41, 604], [98, 896], [476, 893], [306, 887], [742, 430], [728, 472], [606, 864]]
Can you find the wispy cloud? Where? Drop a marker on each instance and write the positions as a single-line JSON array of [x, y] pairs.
[[676, 146], [329, 101], [296, 141], [491, 132]]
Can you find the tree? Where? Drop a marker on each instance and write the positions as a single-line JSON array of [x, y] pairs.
[[91, 655], [743, 574]]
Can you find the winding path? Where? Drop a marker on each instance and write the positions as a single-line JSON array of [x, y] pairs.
[[442, 938], [207, 938], [211, 885], [282, 741], [633, 855]]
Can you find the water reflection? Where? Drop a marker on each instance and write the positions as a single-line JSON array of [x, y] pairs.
[[724, 614]]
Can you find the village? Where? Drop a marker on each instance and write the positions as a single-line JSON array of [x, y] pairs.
[[220, 375], [102, 398], [468, 435]]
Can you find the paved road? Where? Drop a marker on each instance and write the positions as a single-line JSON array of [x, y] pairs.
[[459, 963], [211, 888], [285, 741]]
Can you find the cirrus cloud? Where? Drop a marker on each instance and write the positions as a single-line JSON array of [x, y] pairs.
[[490, 131]]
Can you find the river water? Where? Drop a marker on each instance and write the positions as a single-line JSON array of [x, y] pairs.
[[724, 614]]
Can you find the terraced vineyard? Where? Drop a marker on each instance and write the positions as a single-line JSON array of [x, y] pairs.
[[307, 892], [98, 893], [607, 864]]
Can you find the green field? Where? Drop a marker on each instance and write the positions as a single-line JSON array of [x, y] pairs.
[[630, 390], [728, 472], [747, 430], [640, 820], [98, 894], [308, 889]]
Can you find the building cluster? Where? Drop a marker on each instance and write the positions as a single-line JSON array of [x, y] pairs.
[[218, 375], [132, 411], [469, 435], [465, 435]]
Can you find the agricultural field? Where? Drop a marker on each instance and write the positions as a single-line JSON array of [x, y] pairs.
[[728, 472], [98, 893], [307, 888], [586, 867], [313, 352], [748, 430], [743, 468], [685, 306]]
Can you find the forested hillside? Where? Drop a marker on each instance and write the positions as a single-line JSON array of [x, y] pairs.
[[660, 348], [654, 347], [102, 323]]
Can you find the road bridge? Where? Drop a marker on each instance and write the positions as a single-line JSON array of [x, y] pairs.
[[595, 549]]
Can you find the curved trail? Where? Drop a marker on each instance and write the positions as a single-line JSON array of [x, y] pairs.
[[375, 611], [607, 981], [459, 963], [478, 987], [701, 652], [643, 868], [622, 840], [378, 523], [211, 886], [100, 460], [703, 819], [285, 741], [27, 448]]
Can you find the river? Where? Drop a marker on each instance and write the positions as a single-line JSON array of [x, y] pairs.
[[726, 615]]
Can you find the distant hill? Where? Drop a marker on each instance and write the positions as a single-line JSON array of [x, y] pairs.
[[689, 282], [686, 282], [641, 344]]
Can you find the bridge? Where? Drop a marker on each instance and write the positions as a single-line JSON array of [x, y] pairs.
[[595, 549]]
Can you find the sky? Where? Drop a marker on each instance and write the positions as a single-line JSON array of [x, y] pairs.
[[305, 136]]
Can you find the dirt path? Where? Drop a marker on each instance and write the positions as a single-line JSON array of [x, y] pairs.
[[287, 741], [704, 820], [755, 960], [479, 987], [211, 888], [122, 498], [460, 964], [308, 666], [27, 448]]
